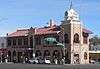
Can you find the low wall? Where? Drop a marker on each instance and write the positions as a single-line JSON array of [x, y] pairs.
[[37, 66]]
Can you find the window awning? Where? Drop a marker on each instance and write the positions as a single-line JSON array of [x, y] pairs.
[[53, 41], [60, 45]]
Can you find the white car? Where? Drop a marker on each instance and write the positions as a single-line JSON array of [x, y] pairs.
[[47, 61], [33, 61], [93, 61]]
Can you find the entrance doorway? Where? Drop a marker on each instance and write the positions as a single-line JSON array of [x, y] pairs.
[[76, 58], [20, 57]]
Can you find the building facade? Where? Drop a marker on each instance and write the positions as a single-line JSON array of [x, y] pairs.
[[27, 42], [3, 49]]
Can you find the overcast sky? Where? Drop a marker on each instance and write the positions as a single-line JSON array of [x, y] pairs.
[[15, 14]]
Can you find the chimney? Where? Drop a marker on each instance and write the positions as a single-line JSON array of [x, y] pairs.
[[51, 23]]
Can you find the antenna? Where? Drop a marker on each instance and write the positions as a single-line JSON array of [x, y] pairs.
[[71, 4]]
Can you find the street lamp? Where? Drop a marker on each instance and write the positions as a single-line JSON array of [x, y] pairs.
[[33, 55], [31, 34], [1, 56], [7, 58]]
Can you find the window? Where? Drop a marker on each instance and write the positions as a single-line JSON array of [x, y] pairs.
[[14, 41], [76, 38], [37, 41], [19, 41], [85, 38], [66, 40], [9, 42], [85, 55], [2, 44], [31, 42], [25, 41]]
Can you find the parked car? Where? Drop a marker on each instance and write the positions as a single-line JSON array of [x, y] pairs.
[[47, 61], [92, 61], [95, 62], [41, 61], [33, 61]]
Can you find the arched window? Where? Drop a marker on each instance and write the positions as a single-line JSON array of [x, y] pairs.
[[66, 40], [76, 38], [38, 53], [46, 53], [56, 54], [85, 38]]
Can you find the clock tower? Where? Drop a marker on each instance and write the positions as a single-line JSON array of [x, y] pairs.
[[76, 52]]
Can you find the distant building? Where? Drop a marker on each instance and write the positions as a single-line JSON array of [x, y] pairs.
[[3, 49], [23, 43], [95, 53]]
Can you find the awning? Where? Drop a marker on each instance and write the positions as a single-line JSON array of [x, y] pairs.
[[50, 39], [53, 41], [60, 45]]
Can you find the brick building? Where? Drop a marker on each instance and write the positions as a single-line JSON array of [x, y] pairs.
[[20, 44], [23, 43]]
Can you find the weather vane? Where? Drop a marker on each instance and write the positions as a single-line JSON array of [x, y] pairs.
[[71, 4]]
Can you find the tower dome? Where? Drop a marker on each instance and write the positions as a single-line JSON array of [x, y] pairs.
[[71, 15]]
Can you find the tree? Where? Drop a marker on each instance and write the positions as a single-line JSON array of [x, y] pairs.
[[95, 40]]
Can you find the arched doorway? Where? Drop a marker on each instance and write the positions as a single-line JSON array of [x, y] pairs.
[[46, 54], [14, 53], [20, 57], [38, 54], [76, 59], [14, 56], [9, 56], [56, 57], [56, 54]]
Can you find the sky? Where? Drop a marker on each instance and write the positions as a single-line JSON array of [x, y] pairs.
[[17, 14]]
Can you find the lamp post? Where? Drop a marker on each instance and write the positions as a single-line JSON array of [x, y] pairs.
[[31, 34], [7, 58], [33, 55], [1, 57]]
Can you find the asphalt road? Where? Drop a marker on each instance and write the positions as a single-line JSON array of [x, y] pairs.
[[37, 66]]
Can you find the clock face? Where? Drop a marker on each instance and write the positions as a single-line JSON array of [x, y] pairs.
[[66, 13]]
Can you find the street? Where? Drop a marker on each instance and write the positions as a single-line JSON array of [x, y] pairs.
[[41, 66]]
